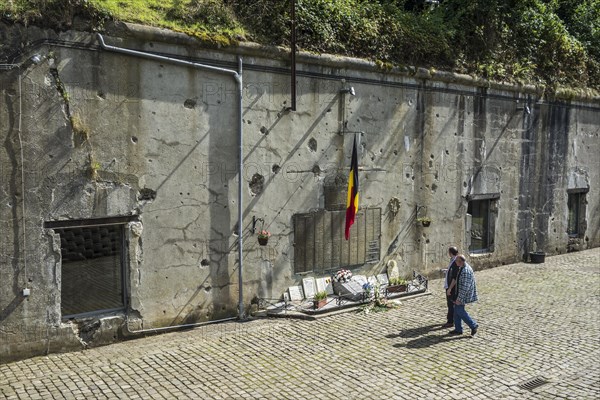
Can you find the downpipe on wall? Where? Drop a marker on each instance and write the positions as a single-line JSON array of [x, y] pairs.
[[35, 60], [237, 76]]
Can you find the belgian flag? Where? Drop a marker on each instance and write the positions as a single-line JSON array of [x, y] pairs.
[[352, 203]]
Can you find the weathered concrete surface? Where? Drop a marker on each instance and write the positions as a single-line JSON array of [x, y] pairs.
[[536, 320], [92, 134]]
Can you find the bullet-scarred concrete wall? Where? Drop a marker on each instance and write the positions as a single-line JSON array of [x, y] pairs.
[[91, 134]]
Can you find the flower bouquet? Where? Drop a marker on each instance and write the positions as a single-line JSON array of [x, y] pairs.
[[368, 288], [342, 276]]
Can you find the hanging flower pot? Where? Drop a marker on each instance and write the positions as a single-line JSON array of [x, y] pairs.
[[263, 237]]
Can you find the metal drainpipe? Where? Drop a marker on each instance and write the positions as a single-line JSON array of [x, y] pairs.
[[20, 136], [237, 75]]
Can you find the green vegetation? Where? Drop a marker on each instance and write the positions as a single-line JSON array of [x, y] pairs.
[[397, 281], [322, 295], [550, 42]]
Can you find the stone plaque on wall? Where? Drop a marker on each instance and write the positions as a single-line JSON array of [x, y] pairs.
[[319, 242], [308, 284], [324, 284], [296, 293]]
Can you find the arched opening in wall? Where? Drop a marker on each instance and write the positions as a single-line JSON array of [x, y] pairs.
[[93, 268]]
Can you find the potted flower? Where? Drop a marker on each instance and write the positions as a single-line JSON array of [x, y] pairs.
[[320, 299], [397, 285], [263, 237], [425, 221]]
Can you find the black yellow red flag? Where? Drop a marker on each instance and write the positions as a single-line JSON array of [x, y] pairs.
[[352, 203]]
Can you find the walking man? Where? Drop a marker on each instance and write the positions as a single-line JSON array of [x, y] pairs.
[[467, 293], [450, 286]]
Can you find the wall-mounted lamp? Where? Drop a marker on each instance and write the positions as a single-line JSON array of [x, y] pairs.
[[349, 90], [523, 107], [36, 59]]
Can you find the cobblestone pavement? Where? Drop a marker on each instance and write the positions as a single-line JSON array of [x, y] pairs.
[[536, 321]]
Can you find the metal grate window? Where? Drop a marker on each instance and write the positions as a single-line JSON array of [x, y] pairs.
[[576, 205], [92, 269], [319, 242]]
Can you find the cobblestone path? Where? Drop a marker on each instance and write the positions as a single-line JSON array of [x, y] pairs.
[[536, 321]]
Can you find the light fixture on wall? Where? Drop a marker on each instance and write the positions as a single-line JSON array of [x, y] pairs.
[[349, 90], [36, 59], [523, 107]]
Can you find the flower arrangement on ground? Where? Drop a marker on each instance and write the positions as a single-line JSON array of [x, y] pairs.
[[378, 301], [342, 276]]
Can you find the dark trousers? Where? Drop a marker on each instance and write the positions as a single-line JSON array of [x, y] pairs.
[[450, 302]]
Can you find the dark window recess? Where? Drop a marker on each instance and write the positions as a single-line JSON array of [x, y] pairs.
[[576, 205], [92, 269], [319, 242], [481, 225]]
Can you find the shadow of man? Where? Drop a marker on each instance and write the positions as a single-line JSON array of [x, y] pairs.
[[429, 340], [414, 332]]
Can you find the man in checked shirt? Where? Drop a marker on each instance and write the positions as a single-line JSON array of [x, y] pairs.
[[466, 293]]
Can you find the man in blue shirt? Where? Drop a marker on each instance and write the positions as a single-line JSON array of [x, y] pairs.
[[466, 293]]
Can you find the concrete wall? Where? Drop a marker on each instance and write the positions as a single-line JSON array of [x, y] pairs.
[[88, 134]]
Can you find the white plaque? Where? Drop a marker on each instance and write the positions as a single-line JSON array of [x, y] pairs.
[[362, 279], [296, 293], [324, 284], [383, 279], [309, 287]]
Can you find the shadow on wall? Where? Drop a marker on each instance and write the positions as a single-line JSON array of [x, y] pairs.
[[12, 306]]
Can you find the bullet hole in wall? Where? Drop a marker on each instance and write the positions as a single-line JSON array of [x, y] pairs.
[[189, 103], [276, 168], [316, 170], [204, 262], [101, 94], [134, 139], [147, 194], [264, 130], [256, 184], [312, 144]]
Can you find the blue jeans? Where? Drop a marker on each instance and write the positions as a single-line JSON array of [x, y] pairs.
[[460, 314]]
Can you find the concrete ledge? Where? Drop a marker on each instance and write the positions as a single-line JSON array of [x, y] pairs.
[[311, 315], [148, 33]]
